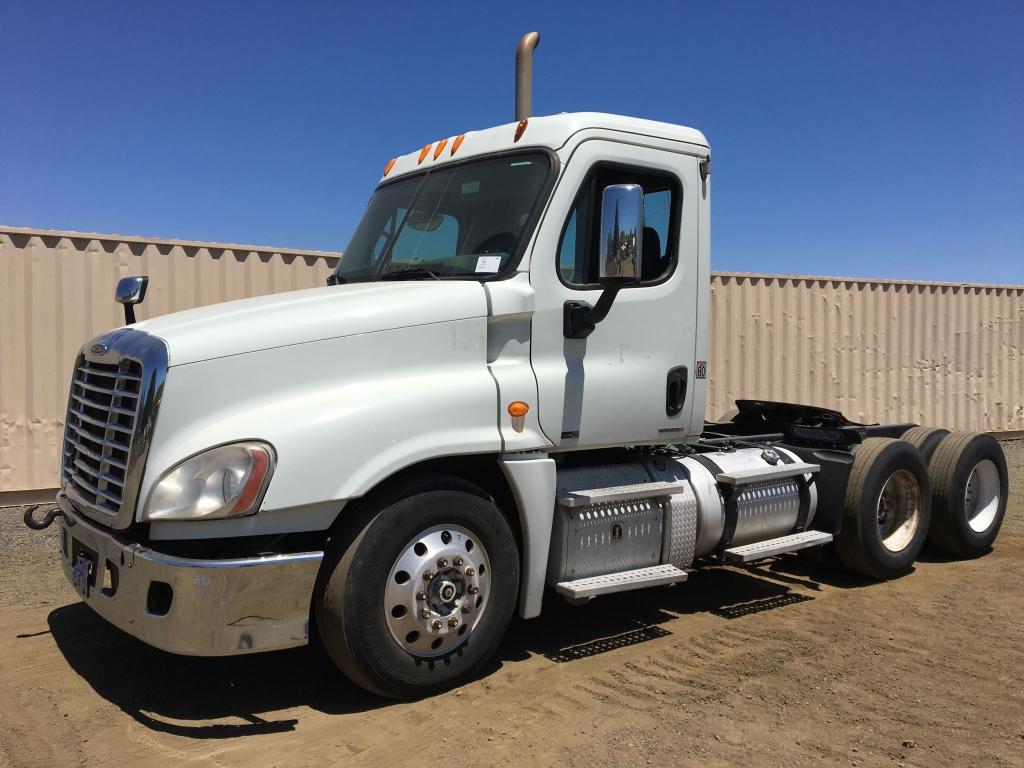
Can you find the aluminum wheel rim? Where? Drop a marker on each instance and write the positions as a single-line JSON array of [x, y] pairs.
[[437, 591], [981, 496], [898, 510]]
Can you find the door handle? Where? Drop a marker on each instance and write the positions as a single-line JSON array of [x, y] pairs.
[[675, 390]]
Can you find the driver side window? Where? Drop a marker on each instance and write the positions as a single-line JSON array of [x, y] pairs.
[[578, 249]]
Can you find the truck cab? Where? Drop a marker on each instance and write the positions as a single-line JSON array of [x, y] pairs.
[[499, 394]]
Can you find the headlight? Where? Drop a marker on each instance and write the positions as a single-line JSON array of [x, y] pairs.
[[227, 481]]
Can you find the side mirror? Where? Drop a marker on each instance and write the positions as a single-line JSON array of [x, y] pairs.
[[622, 227], [621, 254], [129, 292]]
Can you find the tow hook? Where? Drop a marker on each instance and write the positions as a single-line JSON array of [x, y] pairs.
[[48, 518]]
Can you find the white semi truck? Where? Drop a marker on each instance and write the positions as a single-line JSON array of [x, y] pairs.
[[499, 394]]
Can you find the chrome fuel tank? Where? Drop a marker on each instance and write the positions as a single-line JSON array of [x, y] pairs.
[[765, 510]]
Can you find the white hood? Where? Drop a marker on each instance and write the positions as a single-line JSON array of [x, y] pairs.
[[296, 317]]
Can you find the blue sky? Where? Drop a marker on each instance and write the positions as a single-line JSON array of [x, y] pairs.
[[880, 139]]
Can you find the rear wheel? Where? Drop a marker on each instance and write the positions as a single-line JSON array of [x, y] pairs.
[[969, 492], [925, 439], [420, 597], [886, 509]]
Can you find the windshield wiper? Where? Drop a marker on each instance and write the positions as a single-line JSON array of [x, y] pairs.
[[411, 273], [335, 279]]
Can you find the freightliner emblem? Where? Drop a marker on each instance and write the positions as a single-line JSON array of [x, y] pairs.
[[99, 349]]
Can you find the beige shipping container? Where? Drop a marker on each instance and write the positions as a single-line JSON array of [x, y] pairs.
[[57, 292], [940, 354], [879, 350]]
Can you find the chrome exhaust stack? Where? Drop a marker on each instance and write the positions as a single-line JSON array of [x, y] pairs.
[[524, 74]]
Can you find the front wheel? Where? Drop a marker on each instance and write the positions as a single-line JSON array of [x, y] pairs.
[[418, 600]]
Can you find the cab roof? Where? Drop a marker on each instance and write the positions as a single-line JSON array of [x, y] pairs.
[[552, 132]]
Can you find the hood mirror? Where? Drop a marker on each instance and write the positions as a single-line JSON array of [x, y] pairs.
[[129, 292]]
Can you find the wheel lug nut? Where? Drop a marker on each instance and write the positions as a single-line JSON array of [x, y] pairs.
[[453, 622], [428, 575], [436, 624], [457, 562], [473, 589], [470, 572], [424, 613], [466, 608], [442, 563], [421, 595]]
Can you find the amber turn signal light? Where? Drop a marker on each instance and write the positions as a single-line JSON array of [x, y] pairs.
[[518, 408]]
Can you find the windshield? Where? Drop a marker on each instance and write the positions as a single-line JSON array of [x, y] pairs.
[[461, 220]]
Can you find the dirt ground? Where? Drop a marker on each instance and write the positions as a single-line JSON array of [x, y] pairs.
[[786, 664]]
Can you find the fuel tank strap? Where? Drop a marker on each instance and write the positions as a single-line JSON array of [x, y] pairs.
[[804, 489], [729, 497]]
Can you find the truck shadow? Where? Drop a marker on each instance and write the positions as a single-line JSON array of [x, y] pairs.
[[566, 633], [221, 698], [208, 698]]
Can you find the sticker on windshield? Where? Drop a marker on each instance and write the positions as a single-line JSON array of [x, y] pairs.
[[488, 263]]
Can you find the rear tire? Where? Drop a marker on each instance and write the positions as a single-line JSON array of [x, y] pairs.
[[969, 493], [925, 439], [886, 509], [418, 599]]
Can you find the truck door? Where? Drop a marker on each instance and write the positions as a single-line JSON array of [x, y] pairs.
[[632, 379]]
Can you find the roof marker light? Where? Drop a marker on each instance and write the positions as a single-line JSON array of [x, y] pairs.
[[424, 152], [390, 165], [520, 129], [439, 148], [458, 143]]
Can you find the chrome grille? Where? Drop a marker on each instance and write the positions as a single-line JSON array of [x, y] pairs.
[[115, 393], [102, 410]]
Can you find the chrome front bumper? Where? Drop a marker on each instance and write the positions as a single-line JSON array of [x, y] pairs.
[[193, 607]]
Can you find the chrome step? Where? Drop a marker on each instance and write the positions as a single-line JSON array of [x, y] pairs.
[[621, 493], [654, 576], [761, 474], [771, 547]]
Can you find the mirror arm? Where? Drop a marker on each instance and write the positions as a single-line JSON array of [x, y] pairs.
[[129, 314], [579, 318]]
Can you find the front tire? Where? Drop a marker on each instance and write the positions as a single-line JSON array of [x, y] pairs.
[[418, 600], [886, 509]]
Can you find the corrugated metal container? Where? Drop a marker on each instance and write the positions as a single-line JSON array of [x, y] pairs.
[[57, 292], [878, 350]]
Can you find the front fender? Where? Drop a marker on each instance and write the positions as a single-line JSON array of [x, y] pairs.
[[342, 414]]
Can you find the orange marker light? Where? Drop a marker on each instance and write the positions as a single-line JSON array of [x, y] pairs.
[[518, 410], [458, 143], [390, 165], [424, 152], [439, 148], [520, 130]]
